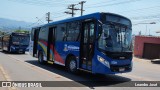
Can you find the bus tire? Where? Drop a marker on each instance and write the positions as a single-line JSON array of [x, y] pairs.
[[40, 58], [23, 52], [9, 51], [72, 64]]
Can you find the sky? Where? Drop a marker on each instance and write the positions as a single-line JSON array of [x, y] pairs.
[[141, 12]]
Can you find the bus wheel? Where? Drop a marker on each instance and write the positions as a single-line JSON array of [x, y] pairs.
[[40, 58], [72, 65], [23, 52]]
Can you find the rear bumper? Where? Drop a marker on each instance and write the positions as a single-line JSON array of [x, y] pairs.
[[18, 49]]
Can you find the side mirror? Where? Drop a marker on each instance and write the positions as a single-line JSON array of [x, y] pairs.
[[100, 30]]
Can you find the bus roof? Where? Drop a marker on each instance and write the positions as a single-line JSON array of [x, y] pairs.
[[93, 15]]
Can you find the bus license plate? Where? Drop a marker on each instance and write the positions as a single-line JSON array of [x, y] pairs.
[[121, 69]]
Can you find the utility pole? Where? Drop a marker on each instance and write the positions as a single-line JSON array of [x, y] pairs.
[[72, 8], [48, 17], [82, 2]]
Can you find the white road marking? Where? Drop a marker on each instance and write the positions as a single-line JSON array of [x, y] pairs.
[[32, 66], [50, 74], [42, 71], [7, 78]]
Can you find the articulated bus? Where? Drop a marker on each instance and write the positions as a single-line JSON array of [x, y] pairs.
[[97, 43], [15, 42]]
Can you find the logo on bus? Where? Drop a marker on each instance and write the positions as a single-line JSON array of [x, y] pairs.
[[70, 48]]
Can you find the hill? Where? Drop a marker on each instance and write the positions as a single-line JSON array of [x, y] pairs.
[[8, 24]]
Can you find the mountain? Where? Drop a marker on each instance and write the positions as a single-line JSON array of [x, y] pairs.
[[8, 24]]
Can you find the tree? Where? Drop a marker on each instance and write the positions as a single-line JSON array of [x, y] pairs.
[[22, 31]]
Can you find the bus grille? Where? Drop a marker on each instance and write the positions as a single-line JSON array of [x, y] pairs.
[[115, 68], [119, 56]]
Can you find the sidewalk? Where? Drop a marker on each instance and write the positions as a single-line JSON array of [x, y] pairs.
[[141, 60], [156, 61]]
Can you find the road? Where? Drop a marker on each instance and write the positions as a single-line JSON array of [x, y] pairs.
[[23, 67]]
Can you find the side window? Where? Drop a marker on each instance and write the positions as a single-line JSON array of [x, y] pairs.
[[61, 32], [6, 40], [43, 34], [73, 30]]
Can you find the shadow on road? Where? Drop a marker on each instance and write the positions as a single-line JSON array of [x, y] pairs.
[[84, 78], [156, 61], [12, 53]]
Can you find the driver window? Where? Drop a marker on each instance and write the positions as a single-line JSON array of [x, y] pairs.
[[105, 39]]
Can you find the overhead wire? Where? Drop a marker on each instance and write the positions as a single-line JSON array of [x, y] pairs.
[[58, 13], [102, 2], [35, 23], [40, 3], [117, 3]]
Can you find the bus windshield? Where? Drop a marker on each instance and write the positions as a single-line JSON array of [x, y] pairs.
[[20, 40], [116, 38]]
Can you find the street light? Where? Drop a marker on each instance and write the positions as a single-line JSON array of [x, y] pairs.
[[146, 26]]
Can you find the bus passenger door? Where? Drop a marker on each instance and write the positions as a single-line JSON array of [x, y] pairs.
[[87, 44], [51, 40], [35, 42]]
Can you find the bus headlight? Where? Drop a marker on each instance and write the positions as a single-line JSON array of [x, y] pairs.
[[103, 61], [100, 59]]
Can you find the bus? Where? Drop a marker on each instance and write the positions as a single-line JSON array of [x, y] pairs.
[[97, 43], [15, 42]]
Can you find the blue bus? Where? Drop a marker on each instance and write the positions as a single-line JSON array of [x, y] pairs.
[[15, 42], [97, 43]]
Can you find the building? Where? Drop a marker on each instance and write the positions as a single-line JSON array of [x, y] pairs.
[[147, 47]]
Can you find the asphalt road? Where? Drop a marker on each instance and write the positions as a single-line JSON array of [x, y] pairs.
[[23, 67]]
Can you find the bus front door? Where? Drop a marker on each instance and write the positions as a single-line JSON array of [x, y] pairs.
[[87, 45]]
